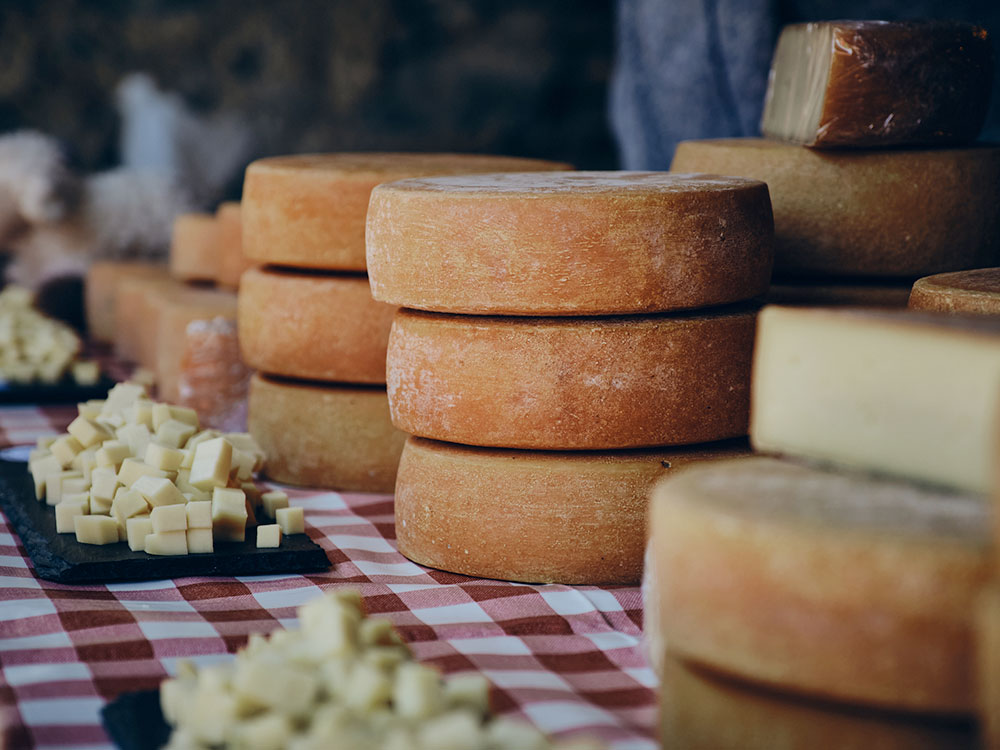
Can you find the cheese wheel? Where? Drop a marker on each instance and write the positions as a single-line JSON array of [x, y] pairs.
[[569, 243], [135, 325], [313, 327], [836, 585], [839, 295], [194, 248], [553, 517], [988, 664], [903, 213], [324, 435], [974, 292], [101, 288], [899, 392], [571, 383], [232, 262], [701, 711], [212, 378], [309, 211]]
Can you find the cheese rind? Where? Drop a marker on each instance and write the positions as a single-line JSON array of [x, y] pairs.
[[325, 436], [573, 518], [313, 327], [308, 211], [571, 383], [837, 585], [569, 243], [232, 262], [898, 392], [194, 248], [889, 213], [975, 292]]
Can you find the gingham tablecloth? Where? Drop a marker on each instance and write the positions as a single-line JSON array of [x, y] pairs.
[[567, 659]]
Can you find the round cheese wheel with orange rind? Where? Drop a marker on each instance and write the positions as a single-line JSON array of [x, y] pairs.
[[311, 326], [975, 292], [569, 243], [194, 248], [572, 383], [836, 585], [552, 517], [308, 211], [232, 262], [333, 436]]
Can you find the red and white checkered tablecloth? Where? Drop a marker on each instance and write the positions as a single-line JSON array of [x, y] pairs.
[[566, 658]]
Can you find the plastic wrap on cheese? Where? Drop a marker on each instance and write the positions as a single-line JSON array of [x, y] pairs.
[[213, 379]]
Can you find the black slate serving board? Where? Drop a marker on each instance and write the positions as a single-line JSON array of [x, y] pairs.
[[134, 721], [66, 391], [60, 558]]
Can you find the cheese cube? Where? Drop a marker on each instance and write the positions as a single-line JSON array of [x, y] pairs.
[[174, 433], [95, 529], [184, 485], [167, 543], [272, 501], [159, 491], [162, 457], [469, 691], [200, 541], [103, 483], [163, 413], [132, 469], [199, 514], [54, 485], [87, 432], [187, 457], [66, 511], [137, 529], [112, 453], [100, 507], [65, 449], [461, 729], [168, 518], [90, 409], [136, 437], [417, 692], [46, 441], [42, 468], [268, 536], [253, 493], [121, 397], [246, 443], [229, 514], [242, 465], [195, 440], [212, 460], [141, 412], [291, 520], [128, 503]]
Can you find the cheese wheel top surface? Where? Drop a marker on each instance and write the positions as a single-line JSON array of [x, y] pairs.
[[308, 210], [569, 243], [974, 292]]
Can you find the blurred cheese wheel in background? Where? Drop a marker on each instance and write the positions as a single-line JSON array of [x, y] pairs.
[[194, 248], [975, 292], [232, 262], [101, 290]]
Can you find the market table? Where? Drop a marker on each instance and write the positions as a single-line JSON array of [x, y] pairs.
[[567, 658]]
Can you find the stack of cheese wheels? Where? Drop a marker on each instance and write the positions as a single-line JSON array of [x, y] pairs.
[[559, 331], [307, 320], [850, 208]]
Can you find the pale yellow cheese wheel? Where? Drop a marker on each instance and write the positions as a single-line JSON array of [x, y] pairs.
[[316, 327], [194, 248], [975, 292], [572, 383], [569, 243], [101, 288], [835, 585], [309, 210], [333, 436], [900, 212], [534, 516], [232, 262]]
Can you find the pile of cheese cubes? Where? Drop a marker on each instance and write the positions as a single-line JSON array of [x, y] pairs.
[[130, 469], [34, 347], [341, 681]]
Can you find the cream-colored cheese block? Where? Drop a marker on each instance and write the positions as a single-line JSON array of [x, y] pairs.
[[880, 295], [325, 436], [101, 290], [900, 392], [974, 292], [904, 213], [194, 248], [199, 514], [290, 520], [269, 536], [166, 543], [832, 584], [571, 383], [309, 211], [66, 512], [232, 262], [167, 518], [128, 503], [553, 517], [988, 664], [313, 327], [91, 529], [200, 541], [273, 500], [211, 464], [137, 529], [229, 514], [569, 243]]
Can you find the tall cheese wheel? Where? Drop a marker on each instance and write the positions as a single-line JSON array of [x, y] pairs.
[[903, 213], [836, 585], [232, 262], [309, 211], [101, 288], [839, 295], [135, 326], [313, 327], [974, 292], [571, 383], [540, 517], [325, 436], [569, 243], [194, 248], [988, 665]]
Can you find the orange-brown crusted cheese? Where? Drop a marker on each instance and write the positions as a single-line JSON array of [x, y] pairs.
[[194, 248], [975, 292], [569, 243], [332, 436], [988, 664], [832, 584], [135, 321], [552, 517], [212, 378], [309, 210], [101, 288], [232, 262], [572, 383], [903, 213], [315, 327]]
